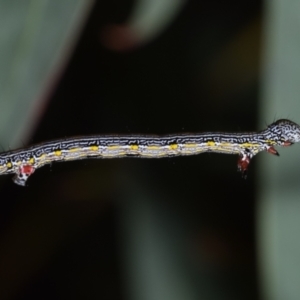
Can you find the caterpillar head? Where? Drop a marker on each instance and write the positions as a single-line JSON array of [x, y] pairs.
[[284, 132]]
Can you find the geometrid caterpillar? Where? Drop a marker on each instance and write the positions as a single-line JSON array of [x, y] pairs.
[[23, 162]]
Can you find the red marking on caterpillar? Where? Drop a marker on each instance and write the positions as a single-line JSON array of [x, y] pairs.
[[27, 170], [22, 175]]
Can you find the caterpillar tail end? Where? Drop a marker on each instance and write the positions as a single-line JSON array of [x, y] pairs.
[[22, 175]]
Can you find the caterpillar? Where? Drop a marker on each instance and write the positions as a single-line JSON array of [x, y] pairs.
[[23, 162]]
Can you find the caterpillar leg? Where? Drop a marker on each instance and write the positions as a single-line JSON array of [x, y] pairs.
[[273, 151], [243, 163], [22, 174], [244, 160]]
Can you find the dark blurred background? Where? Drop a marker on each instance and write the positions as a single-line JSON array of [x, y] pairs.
[[173, 228]]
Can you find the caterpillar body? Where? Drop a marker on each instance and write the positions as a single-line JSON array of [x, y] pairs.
[[23, 162]]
